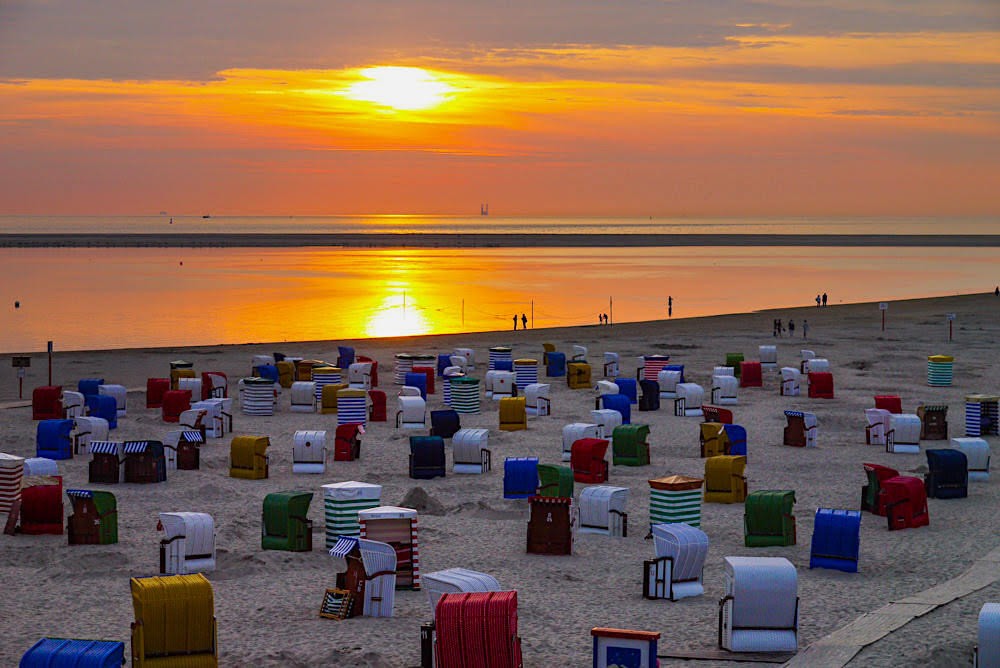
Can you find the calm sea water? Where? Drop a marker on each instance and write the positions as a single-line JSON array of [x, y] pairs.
[[100, 298]]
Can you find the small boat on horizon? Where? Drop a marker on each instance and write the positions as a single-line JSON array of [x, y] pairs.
[[207, 216]]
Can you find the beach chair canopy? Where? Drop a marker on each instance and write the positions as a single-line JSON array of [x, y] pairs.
[[759, 612], [174, 621]]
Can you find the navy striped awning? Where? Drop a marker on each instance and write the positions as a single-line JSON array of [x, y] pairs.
[[343, 546], [136, 446], [82, 493], [795, 414], [105, 447], [192, 436]]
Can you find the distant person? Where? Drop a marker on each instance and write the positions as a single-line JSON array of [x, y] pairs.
[[824, 299], [774, 327], [805, 329], [996, 293], [779, 327], [670, 306], [791, 328], [600, 318], [817, 301], [524, 321], [515, 322]]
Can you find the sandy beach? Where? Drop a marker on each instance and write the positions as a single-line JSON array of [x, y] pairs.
[[266, 602]]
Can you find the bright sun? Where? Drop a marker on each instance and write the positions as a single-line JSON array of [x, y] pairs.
[[402, 88]]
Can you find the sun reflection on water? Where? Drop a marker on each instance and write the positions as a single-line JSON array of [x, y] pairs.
[[398, 314]]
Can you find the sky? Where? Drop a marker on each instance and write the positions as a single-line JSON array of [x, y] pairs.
[[538, 107]]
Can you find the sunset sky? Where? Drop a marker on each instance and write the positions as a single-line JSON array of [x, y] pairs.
[[717, 107]]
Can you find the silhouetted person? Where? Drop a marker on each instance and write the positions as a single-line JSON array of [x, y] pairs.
[[805, 329], [670, 306], [817, 301], [996, 293], [778, 327], [524, 321], [515, 322], [791, 328], [824, 299]]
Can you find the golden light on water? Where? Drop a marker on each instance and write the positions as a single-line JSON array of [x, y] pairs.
[[399, 314], [400, 88]]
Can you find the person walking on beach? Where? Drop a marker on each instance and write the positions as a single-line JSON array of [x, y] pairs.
[[670, 306], [817, 301], [524, 321], [791, 328], [515, 322], [824, 299], [996, 293], [774, 327], [778, 328], [805, 329]]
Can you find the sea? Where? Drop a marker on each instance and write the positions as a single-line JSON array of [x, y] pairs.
[[122, 297]]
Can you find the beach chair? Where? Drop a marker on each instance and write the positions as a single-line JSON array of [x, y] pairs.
[[619, 403], [555, 364], [53, 439], [427, 457], [760, 611], [836, 540], [87, 429], [284, 375], [93, 519], [791, 380], [546, 349], [604, 387], [768, 519], [611, 365], [588, 461], [713, 439], [504, 385], [119, 393], [11, 478], [89, 386], [536, 400], [103, 406], [677, 571], [905, 502], [74, 405], [46, 403], [690, 397], [106, 460], [53, 652], [469, 451], [889, 402], [878, 425], [418, 379], [309, 452], [751, 374], [175, 402], [411, 412], [525, 373], [174, 622], [396, 527], [40, 466], [248, 457], [368, 571], [736, 436], [606, 420], [718, 414], [445, 423], [871, 499], [577, 375], [182, 449], [820, 385], [377, 406], [628, 387], [145, 462], [814, 364], [215, 385], [456, 581], [468, 627], [513, 414], [650, 398], [41, 506], [986, 654], [948, 474], [284, 522], [303, 396], [555, 481], [977, 453], [347, 442], [933, 422], [602, 511], [733, 360], [188, 543], [550, 525], [520, 477], [801, 429], [630, 445], [345, 356], [575, 431], [329, 402], [668, 380], [725, 479], [903, 434], [359, 376]]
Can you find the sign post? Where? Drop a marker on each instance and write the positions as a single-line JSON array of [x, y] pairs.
[[951, 321], [50, 363], [20, 363], [883, 306]]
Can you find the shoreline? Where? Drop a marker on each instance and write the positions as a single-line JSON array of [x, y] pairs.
[[479, 240]]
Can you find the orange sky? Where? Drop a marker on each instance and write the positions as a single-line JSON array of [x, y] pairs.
[[757, 116]]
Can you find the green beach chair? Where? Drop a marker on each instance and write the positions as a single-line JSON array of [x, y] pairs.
[[284, 525], [555, 481], [630, 445], [733, 360], [768, 519]]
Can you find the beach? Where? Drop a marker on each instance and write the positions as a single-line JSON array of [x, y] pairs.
[[267, 602]]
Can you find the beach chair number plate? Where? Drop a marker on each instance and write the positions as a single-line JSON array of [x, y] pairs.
[[336, 604]]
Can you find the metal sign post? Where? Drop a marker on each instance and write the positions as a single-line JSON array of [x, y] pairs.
[[883, 306], [50, 363], [951, 321], [21, 363]]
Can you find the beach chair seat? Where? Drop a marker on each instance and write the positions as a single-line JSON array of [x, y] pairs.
[[248, 457], [284, 522], [903, 434], [175, 402], [977, 453], [649, 400], [933, 422], [46, 403], [376, 406], [587, 458], [577, 375], [760, 609], [606, 420], [87, 429], [801, 429], [188, 543], [948, 474], [768, 356], [871, 499], [41, 506], [628, 387], [555, 366], [889, 402], [768, 519], [574, 431], [603, 510], [309, 451], [986, 653], [411, 412], [736, 436], [174, 622], [53, 439], [713, 439], [751, 374], [711, 413], [93, 519], [836, 540], [427, 457], [470, 452], [513, 414], [103, 406], [359, 376], [520, 477], [820, 385], [878, 425], [347, 442], [725, 479], [53, 652], [677, 571], [619, 403], [445, 423], [74, 405], [550, 525], [630, 445], [145, 462], [904, 499], [791, 382], [690, 397], [555, 481], [536, 400], [303, 396], [668, 380]]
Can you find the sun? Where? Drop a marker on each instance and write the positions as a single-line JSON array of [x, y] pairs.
[[400, 88]]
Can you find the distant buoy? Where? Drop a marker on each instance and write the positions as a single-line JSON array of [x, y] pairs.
[[17, 304], [182, 263]]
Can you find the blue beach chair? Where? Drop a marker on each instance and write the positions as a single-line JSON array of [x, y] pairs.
[[520, 477], [52, 438], [836, 540]]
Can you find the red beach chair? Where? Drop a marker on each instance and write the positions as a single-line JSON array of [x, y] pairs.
[[587, 460], [347, 447], [430, 372], [889, 402], [905, 502], [376, 412], [751, 374], [374, 363], [155, 389], [821, 385], [175, 402], [42, 508], [716, 414], [46, 403]]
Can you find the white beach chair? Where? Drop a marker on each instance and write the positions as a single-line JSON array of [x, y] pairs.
[[607, 419], [87, 429], [359, 376], [760, 611], [903, 434], [303, 395], [987, 652], [193, 384], [73, 404], [119, 393], [878, 425], [977, 454], [668, 380], [610, 365], [724, 389], [411, 412], [606, 387], [189, 543], [456, 581], [791, 382], [677, 571], [40, 466], [818, 364], [768, 357], [536, 400], [504, 384], [309, 452], [571, 433], [690, 397], [213, 420], [379, 562], [579, 354], [469, 451], [603, 510]]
